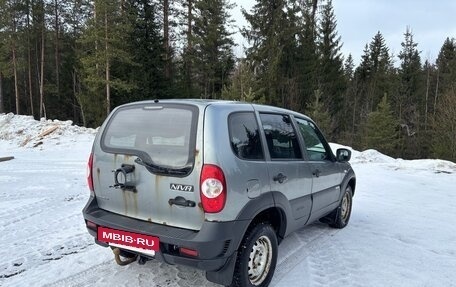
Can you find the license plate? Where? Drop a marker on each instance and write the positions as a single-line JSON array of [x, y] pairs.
[[142, 243]]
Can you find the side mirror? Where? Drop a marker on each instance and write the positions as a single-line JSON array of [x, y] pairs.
[[343, 155]]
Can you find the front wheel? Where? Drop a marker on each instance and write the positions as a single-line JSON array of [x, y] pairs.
[[341, 215], [257, 257]]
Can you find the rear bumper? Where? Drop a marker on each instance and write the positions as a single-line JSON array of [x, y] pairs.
[[216, 242]]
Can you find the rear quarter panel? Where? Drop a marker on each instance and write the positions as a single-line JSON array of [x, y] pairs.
[[246, 179]]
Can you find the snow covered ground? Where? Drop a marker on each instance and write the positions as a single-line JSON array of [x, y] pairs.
[[402, 231]]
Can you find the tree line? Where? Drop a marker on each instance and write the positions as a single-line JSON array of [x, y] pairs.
[[78, 59]]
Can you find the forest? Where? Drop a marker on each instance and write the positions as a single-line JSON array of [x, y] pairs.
[[78, 59]]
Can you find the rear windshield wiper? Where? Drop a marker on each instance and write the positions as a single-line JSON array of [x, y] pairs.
[[161, 169]]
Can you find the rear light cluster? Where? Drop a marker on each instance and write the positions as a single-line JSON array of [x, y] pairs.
[[89, 173], [212, 188]]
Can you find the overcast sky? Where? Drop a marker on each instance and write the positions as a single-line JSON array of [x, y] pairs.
[[431, 21]]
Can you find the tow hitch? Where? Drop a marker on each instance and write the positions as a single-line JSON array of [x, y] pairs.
[[120, 261]]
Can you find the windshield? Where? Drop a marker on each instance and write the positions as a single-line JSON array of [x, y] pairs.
[[162, 135]]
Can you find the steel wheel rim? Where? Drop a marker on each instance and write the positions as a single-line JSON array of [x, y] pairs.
[[345, 208], [260, 259]]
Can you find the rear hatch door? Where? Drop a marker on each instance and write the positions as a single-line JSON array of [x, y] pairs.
[[147, 163]]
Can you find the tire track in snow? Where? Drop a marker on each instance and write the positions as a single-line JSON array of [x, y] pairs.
[[153, 273], [325, 259], [86, 277], [333, 265], [31, 258], [304, 243], [18, 214], [312, 238]]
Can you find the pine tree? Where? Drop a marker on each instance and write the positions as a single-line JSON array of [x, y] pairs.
[[4, 52], [105, 45], [380, 129], [188, 56], [11, 13]]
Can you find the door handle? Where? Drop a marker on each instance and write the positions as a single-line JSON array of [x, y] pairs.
[[179, 200], [280, 178], [316, 173]]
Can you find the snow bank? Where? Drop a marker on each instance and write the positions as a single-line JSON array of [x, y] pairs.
[[25, 131], [376, 157]]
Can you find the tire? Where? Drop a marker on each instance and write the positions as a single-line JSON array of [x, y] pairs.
[[341, 215], [257, 257]]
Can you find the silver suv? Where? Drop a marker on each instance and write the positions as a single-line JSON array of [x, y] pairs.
[[215, 185]]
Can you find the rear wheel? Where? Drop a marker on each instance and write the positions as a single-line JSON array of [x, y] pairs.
[[257, 257], [341, 215]]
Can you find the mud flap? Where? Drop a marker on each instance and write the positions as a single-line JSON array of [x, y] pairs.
[[223, 276], [330, 218]]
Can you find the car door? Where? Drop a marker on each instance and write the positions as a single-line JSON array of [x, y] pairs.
[[288, 173], [324, 168]]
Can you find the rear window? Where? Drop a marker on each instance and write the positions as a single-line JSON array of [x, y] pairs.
[[160, 134]]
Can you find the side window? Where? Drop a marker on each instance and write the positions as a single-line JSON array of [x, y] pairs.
[[244, 136], [314, 146], [280, 137]]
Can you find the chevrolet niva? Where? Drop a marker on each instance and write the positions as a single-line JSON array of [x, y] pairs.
[[215, 185]]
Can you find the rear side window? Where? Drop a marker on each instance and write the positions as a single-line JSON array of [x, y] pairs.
[[280, 136], [160, 134], [244, 136]]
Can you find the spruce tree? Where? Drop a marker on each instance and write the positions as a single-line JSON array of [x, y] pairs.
[[319, 113], [307, 54], [379, 82], [380, 129], [146, 47], [213, 46], [444, 115], [349, 68], [409, 100], [444, 137], [331, 79], [446, 65], [266, 23]]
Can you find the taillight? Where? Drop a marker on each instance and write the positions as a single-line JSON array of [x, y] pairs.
[[89, 173], [212, 188]]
